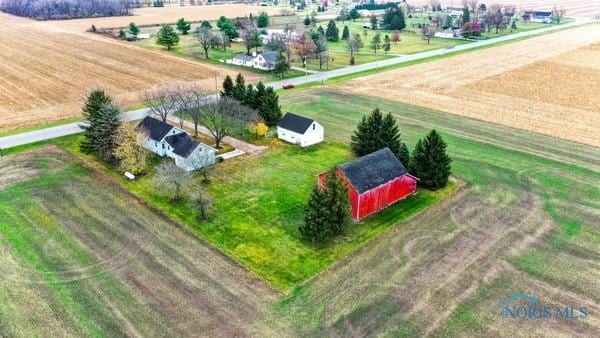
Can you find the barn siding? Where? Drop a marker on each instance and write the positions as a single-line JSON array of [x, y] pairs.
[[381, 197]]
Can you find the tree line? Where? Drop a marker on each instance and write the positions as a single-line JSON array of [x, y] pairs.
[[66, 9]]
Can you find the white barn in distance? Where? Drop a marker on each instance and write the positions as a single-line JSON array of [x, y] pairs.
[[167, 140], [300, 130]]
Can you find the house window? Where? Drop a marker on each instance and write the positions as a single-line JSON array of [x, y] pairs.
[[314, 125], [163, 146]]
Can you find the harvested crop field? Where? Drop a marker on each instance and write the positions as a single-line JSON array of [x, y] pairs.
[[79, 256], [162, 15], [547, 84], [583, 8], [46, 71]]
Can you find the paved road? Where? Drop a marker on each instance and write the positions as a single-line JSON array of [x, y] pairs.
[[73, 128]]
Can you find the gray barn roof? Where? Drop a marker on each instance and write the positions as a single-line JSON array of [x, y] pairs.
[[156, 129], [372, 170], [182, 144], [296, 123]]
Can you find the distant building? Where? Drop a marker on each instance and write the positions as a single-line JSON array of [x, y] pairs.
[[374, 181], [450, 33], [300, 130], [537, 16], [265, 61], [167, 140]]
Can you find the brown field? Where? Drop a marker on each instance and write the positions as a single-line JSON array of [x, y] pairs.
[[47, 69], [151, 15], [548, 84], [583, 8]]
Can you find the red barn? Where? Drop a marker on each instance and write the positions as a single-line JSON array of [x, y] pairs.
[[374, 182]]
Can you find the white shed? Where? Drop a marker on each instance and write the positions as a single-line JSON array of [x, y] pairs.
[[300, 130]]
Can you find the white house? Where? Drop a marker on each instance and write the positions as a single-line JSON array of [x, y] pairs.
[[538, 16], [449, 33], [264, 61], [300, 130], [167, 140]]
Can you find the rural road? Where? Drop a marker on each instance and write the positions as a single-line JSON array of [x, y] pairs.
[[73, 128]]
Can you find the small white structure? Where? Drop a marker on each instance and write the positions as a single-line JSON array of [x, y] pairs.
[[449, 33], [300, 130], [285, 34], [167, 140], [265, 61]]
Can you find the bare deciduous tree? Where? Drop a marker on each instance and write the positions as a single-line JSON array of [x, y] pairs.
[[206, 38], [199, 199], [171, 180], [161, 101]]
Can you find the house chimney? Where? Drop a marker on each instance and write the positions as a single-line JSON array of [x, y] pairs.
[[254, 54]]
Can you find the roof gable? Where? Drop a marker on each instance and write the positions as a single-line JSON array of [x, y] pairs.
[[372, 170], [156, 129], [296, 123], [182, 144]]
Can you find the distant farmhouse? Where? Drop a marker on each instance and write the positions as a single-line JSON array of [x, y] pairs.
[[265, 61], [374, 182], [286, 35], [450, 33], [300, 130], [537, 16], [167, 140]]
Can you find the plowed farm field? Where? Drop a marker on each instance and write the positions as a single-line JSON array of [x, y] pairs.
[[162, 15], [583, 8], [45, 71], [548, 84]]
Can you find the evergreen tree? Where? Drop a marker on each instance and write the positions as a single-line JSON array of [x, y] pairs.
[[332, 33], [376, 42], [183, 26], [250, 97], [227, 87], [354, 14], [430, 162], [404, 155], [375, 132], [327, 212], [281, 66], [258, 95], [134, 30], [101, 133], [206, 24], [315, 225], [307, 21], [387, 44], [95, 101], [337, 202], [263, 20], [239, 90], [513, 26], [321, 31], [466, 17], [122, 35], [269, 108], [346, 33], [167, 37]]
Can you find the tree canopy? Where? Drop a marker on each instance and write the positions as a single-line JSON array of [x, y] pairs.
[[430, 162]]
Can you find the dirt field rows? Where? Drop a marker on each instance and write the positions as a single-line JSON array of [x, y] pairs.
[[151, 15], [521, 85], [79, 257], [583, 8], [521, 224], [45, 71]]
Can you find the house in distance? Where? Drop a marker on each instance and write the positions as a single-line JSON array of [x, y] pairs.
[[167, 140], [300, 130], [374, 181]]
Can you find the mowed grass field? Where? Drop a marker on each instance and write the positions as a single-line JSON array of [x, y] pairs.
[[80, 256], [46, 70], [258, 206], [546, 84], [526, 222]]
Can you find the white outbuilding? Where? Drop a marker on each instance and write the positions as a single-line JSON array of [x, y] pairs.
[[300, 130]]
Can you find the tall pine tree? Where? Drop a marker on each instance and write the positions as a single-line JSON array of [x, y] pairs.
[[375, 132], [430, 162], [101, 133], [269, 108], [346, 33], [95, 102], [315, 226], [239, 90], [227, 87], [332, 33]]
